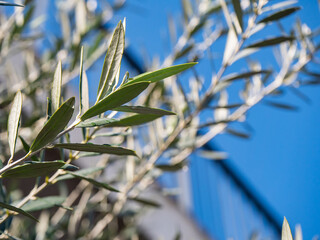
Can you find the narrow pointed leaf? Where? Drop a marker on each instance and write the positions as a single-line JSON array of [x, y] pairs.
[[83, 87], [54, 126], [96, 122], [161, 74], [238, 10], [286, 232], [2, 3], [56, 88], [236, 76], [116, 99], [279, 15], [17, 210], [171, 167], [13, 122], [237, 133], [34, 169], [88, 147], [94, 182], [271, 42], [43, 203], [232, 41], [82, 172], [145, 201], [134, 120], [112, 62], [143, 110], [281, 105]]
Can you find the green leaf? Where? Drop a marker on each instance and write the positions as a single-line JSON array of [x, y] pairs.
[[89, 147], [271, 42], [147, 202], [2, 3], [34, 169], [56, 88], [237, 133], [279, 15], [134, 120], [17, 210], [43, 203], [143, 110], [82, 172], [236, 76], [13, 122], [111, 63], [83, 87], [96, 122], [238, 10], [281, 105], [54, 126], [286, 232], [171, 167], [116, 99], [94, 182], [160, 74]]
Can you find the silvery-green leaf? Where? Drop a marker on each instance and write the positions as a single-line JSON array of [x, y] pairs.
[[89, 147], [270, 42], [34, 169], [143, 110], [279, 15], [83, 87], [236, 76], [94, 182], [116, 99], [112, 62], [96, 122], [54, 126], [13, 122], [125, 78], [82, 172], [145, 201], [17, 210], [171, 167], [286, 232], [231, 43], [43, 203], [278, 5], [160, 74], [56, 88], [134, 120]]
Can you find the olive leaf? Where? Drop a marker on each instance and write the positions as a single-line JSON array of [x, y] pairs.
[[83, 87], [43, 203], [33, 169], [56, 88], [17, 210], [54, 125], [112, 62], [89, 147], [13, 122], [116, 99], [271, 41], [279, 15], [160, 74], [286, 232]]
